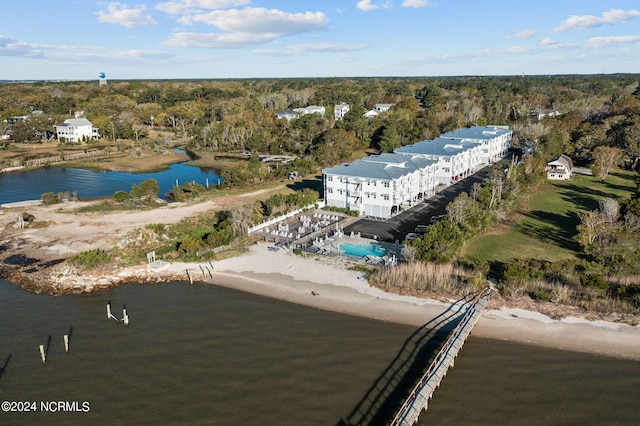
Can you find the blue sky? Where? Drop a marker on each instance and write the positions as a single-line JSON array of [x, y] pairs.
[[143, 39]]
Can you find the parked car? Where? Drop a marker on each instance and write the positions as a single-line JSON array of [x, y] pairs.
[[434, 219], [421, 229], [411, 236]]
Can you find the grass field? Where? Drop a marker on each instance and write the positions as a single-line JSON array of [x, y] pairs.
[[545, 227]]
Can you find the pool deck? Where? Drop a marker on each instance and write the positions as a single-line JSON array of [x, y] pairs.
[[330, 247]]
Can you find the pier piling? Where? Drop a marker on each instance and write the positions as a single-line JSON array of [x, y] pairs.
[[125, 316], [43, 355]]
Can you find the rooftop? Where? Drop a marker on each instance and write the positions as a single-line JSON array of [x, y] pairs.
[[477, 132]]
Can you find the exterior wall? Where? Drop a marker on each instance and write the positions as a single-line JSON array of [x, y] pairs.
[[400, 181], [557, 172], [558, 175], [74, 134], [340, 110]]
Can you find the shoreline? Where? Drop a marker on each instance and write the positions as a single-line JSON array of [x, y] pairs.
[[279, 275], [327, 284], [354, 296]]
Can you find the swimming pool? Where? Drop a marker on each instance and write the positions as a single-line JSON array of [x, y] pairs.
[[362, 249]]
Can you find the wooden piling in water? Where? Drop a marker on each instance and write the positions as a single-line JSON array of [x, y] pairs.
[[125, 317], [65, 338], [43, 355]]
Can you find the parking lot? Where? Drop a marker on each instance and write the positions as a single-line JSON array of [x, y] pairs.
[[405, 222]]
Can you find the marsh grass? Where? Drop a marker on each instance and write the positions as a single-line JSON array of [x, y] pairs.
[[418, 278]]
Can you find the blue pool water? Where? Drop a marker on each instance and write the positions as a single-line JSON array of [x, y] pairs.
[[362, 249]]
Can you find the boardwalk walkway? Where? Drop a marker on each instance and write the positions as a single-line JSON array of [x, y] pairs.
[[419, 398], [402, 388]]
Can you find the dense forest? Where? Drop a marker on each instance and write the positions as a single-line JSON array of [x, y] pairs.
[[550, 115]]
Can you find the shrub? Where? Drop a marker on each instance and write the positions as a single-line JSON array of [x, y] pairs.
[[594, 281], [121, 196], [91, 258], [49, 198], [189, 245]]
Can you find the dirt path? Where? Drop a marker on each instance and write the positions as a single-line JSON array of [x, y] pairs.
[[68, 232]]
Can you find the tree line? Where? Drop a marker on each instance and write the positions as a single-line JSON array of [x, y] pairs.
[[550, 115]]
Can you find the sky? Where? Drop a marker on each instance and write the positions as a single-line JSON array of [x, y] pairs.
[[184, 39]]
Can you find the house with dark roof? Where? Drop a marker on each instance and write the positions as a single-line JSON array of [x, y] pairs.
[[560, 168]]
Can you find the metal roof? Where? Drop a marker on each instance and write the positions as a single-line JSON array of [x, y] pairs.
[[478, 132], [75, 122], [442, 147]]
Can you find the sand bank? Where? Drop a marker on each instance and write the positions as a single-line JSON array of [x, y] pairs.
[[326, 283]]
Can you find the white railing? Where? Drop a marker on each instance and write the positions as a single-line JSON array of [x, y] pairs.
[[251, 230]]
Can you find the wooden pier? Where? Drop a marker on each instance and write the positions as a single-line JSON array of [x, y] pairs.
[[422, 392]]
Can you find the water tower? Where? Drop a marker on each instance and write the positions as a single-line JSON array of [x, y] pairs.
[[102, 78]]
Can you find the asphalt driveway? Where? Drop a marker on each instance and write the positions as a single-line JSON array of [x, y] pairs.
[[397, 227]]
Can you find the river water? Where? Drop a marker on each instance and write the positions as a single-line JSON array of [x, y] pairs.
[[203, 354], [31, 184]]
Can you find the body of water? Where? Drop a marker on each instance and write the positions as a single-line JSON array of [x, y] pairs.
[[203, 354], [31, 184]]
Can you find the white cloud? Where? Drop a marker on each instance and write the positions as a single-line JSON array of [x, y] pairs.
[[415, 3], [598, 42], [217, 41], [612, 16], [367, 6], [120, 14], [246, 27], [528, 33], [263, 21], [548, 41], [191, 6], [12, 47], [78, 53], [546, 44], [301, 49]]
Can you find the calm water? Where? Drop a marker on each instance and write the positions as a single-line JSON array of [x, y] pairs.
[[203, 354], [30, 185]]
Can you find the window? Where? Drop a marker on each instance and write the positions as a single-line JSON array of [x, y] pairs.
[[385, 197], [330, 190], [387, 185], [330, 178]]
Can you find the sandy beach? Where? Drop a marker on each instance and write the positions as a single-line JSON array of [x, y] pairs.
[[326, 283], [322, 282]]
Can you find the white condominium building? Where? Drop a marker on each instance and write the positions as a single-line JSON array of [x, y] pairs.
[[381, 185], [457, 159], [495, 140]]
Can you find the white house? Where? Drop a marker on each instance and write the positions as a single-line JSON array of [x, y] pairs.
[[496, 140], [382, 107], [340, 110], [76, 130], [371, 113], [311, 109], [560, 168], [286, 114]]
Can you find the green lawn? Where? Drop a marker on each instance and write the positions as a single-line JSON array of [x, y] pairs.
[[546, 229]]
